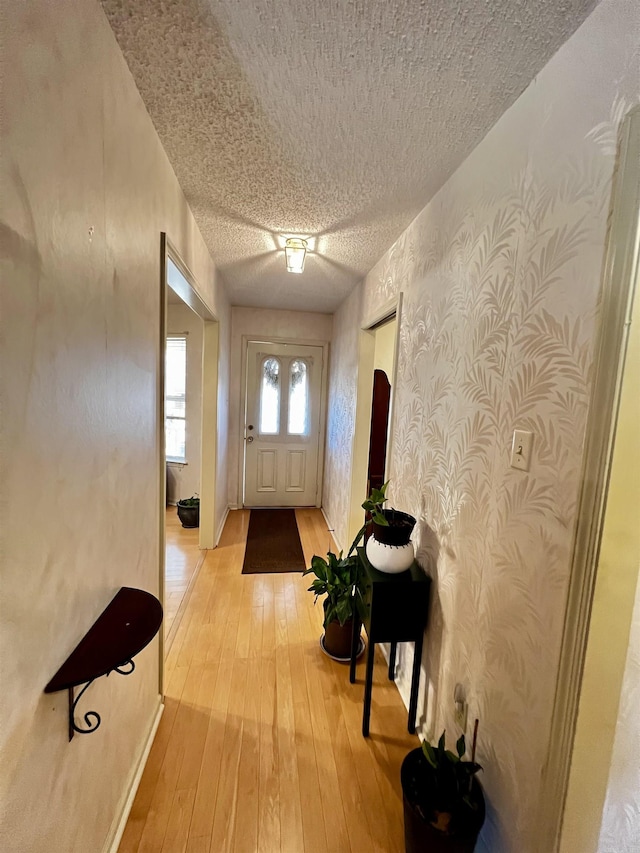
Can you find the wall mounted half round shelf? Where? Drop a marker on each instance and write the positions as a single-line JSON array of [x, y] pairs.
[[128, 624]]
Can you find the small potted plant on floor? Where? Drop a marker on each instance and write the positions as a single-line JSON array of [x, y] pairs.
[[335, 578], [389, 549], [443, 801], [189, 511]]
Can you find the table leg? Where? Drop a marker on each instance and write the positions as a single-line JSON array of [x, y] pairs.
[[415, 683], [355, 638], [368, 684], [392, 661]]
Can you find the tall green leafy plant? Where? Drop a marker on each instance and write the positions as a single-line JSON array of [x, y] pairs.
[[336, 577], [194, 500]]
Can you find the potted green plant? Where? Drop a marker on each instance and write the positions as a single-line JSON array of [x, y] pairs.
[[189, 511], [335, 578], [389, 549], [337, 575], [443, 802]]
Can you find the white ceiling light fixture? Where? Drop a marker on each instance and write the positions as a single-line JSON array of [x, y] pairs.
[[295, 250]]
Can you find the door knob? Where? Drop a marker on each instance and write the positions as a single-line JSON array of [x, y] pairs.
[[249, 439]]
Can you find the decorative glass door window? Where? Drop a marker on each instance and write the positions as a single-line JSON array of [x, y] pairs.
[[298, 398], [175, 403], [281, 431], [270, 397]]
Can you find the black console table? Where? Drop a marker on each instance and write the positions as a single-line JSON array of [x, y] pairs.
[[394, 610]]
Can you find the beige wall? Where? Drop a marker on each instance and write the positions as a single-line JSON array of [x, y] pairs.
[[343, 509], [184, 480], [262, 324], [87, 189], [500, 276]]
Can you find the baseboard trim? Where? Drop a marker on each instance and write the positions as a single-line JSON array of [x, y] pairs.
[[115, 837], [330, 528], [222, 524]]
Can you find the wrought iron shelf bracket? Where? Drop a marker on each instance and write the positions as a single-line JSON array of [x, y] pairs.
[[128, 624]]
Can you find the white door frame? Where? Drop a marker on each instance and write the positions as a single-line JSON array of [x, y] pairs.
[[619, 274], [210, 341], [268, 339]]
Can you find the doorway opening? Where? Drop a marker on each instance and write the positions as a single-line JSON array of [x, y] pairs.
[[373, 433], [187, 417], [384, 358], [379, 432]]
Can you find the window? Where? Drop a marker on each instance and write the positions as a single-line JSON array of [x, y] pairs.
[[298, 398], [270, 397], [175, 398]]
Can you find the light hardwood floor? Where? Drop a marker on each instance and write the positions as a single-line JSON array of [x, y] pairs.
[[183, 558], [259, 747]]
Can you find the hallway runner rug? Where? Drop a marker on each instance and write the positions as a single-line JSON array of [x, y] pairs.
[[273, 543]]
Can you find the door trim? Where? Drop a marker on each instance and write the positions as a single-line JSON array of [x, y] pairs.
[[208, 460], [187, 291], [619, 274], [268, 339], [162, 456]]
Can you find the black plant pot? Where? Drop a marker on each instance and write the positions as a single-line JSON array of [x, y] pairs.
[[398, 532], [419, 835], [189, 515]]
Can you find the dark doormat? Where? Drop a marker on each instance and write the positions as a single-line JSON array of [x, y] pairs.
[[273, 543]]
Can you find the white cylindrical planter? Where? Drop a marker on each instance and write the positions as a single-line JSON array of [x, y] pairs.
[[392, 559]]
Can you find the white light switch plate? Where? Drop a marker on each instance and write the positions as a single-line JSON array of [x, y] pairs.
[[521, 449]]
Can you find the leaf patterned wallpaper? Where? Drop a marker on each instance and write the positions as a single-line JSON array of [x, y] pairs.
[[343, 368], [501, 276]]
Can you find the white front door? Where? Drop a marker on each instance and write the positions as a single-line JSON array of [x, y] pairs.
[[282, 424]]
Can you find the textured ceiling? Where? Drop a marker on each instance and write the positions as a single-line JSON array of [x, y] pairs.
[[331, 120]]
